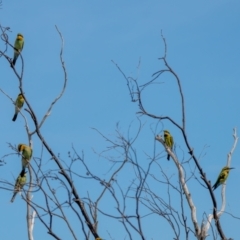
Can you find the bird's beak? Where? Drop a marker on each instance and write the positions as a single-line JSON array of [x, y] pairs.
[[231, 168]]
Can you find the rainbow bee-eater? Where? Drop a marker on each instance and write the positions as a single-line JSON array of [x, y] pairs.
[[18, 105], [168, 141], [20, 182], [18, 47], [222, 177], [26, 154]]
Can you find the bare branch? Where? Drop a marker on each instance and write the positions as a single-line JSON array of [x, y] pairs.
[[184, 187], [64, 85]]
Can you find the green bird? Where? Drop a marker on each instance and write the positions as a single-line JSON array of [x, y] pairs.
[[18, 47], [168, 141], [18, 105], [20, 182], [222, 177], [26, 154]]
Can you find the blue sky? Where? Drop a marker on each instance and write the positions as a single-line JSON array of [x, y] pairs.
[[203, 49]]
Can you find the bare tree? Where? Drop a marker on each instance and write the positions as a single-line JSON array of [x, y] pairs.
[[39, 180], [200, 231], [136, 190]]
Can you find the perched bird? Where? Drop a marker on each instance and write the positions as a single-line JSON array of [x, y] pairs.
[[18, 47], [26, 154], [20, 182], [222, 177], [168, 141], [18, 105]]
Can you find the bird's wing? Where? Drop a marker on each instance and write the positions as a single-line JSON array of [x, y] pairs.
[[222, 175]]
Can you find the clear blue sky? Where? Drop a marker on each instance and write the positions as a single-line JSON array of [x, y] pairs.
[[203, 49]]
